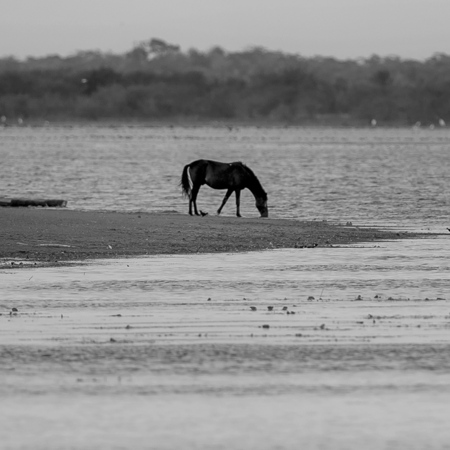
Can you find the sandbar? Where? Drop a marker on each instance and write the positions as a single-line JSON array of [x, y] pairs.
[[54, 236]]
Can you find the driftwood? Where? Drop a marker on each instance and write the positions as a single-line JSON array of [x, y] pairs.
[[16, 202]]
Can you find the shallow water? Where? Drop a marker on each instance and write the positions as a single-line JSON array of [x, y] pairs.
[[397, 290], [405, 269], [166, 351], [173, 352]]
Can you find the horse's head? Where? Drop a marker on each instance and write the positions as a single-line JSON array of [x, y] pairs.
[[261, 204]]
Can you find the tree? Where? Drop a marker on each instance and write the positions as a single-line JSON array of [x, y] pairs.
[[153, 48]]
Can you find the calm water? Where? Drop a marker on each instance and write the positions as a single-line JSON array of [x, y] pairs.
[[167, 352], [380, 176]]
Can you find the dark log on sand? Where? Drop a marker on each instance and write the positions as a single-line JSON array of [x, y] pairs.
[[17, 202]]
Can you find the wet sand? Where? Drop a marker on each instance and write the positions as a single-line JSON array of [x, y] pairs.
[[54, 236]]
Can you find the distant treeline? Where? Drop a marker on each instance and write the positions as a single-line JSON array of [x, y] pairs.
[[157, 81]]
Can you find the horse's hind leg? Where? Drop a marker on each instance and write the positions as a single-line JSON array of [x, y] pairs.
[[227, 196], [193, 200]]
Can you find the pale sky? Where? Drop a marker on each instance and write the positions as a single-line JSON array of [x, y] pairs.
[[338, 28]]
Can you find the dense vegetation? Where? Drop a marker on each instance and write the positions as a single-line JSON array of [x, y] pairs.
[[157, 81]]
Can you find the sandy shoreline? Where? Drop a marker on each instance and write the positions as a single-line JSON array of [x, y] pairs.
[[55, 236], [125, 355]]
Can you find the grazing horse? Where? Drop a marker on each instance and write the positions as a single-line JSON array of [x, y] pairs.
[[233, 176]]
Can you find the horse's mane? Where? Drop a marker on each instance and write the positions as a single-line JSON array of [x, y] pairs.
[[254, 178]]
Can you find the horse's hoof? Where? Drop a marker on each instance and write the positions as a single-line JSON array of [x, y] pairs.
[[203, 213]]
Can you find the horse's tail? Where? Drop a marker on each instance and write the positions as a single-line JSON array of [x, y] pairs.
[[186, 181]]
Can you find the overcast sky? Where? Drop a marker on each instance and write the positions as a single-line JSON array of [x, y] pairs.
[[339, 28]]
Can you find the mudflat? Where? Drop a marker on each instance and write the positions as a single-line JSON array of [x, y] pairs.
[[57, 235]]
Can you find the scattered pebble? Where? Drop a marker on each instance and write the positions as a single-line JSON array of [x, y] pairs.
[[270, 308], [285, 308], [322, 327], [253, 308], [311, 297], [266, 326]]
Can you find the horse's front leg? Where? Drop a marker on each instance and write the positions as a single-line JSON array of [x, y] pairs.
[[227, 196], [238, 202]]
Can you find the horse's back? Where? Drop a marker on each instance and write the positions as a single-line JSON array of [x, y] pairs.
[[215, 165], [219, 175]]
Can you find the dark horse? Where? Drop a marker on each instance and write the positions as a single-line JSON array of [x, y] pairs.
[[233, 176]]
